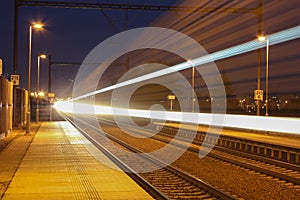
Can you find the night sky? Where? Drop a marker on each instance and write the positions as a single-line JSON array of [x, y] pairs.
[[70, 34]]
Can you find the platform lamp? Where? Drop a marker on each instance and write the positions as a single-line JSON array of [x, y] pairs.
[[264, 38], [193, 85], [37, 26], [39, 93]]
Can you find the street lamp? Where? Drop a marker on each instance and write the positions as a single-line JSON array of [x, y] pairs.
[[37, 26], [264, 38], [193, 85], [42, 56]]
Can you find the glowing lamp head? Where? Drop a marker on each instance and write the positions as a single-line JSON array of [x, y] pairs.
[[261, 38], [191, 62], [37, 26], [41, 94], [43, 56]]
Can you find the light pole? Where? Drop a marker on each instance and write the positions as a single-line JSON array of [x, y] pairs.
[[49, 73], [193, 85], [32, 26], [264, 38], [193, 91], [171, 98], [37, 113]]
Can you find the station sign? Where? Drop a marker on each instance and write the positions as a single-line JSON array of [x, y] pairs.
[[15, 79], [171, 97], [258, 95], [51, 95]]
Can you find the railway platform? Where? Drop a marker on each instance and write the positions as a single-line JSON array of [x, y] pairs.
[[54, 163]]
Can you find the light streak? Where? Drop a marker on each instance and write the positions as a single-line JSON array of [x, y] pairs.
[[259, 123], [276, 38]]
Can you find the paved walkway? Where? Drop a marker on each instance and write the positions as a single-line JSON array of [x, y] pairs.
[[57, 165], [12, 151]]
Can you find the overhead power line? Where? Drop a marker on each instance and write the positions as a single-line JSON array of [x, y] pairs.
[[107, 6]]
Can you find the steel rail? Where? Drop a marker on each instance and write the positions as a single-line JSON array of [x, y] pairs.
[[243, 164], [193, 180], [154, 192]]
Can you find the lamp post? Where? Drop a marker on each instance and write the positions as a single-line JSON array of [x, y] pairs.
[[264, 38], [49, 73], [43, 56], [193, 85], [32, 26]]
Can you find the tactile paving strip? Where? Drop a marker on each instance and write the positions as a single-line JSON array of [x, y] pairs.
[[58, 165], [76, 170]]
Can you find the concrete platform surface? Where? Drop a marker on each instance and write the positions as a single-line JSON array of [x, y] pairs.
[[57, 165]]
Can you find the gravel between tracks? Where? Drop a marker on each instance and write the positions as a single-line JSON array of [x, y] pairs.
[[242, 182]]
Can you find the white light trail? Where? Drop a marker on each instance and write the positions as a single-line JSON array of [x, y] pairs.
[[260, 123], [276, 38]]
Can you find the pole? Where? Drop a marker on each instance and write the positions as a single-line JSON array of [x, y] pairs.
[[193, 89], [49, 74], [49, 86], [28, 84], [126, 19], [126, 28], [15, 59], [16, 18], [259, 30], [267, 78], [171, 105], [37, 114]]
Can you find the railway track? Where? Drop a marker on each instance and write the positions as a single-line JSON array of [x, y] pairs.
[[165, 183], [173, 182], [272, 151], [282, 170], [277, 169]]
